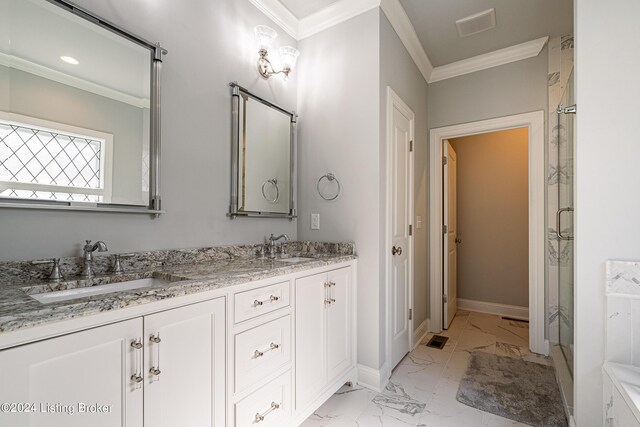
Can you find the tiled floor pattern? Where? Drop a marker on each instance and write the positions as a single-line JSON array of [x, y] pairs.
[[422, 390]]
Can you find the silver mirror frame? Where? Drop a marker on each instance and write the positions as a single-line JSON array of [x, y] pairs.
[[154, 208], [235, 144]]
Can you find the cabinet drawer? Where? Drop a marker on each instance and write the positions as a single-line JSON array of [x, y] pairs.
[[249, 304], [267, 406], [261, 351]]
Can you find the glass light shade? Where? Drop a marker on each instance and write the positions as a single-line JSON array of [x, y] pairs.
[[265, 36], [288, 57]]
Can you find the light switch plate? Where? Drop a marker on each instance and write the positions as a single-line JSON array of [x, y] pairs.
[[315, 221]]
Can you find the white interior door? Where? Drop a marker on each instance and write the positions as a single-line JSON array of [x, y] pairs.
[[450, 234], [400, 252]]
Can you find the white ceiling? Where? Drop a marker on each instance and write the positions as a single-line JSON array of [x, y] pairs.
[[39, 33], [303, 8], [518, 21]]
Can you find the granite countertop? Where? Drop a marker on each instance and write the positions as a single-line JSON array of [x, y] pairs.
[[19, 311]]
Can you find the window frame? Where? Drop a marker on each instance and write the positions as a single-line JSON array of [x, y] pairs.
[[106, 159]]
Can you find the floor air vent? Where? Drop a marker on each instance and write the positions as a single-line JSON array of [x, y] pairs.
[[437, 341]]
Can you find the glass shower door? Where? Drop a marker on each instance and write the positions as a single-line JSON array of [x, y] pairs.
[[564, 222]]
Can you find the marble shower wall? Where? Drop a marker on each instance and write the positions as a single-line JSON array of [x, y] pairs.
[[560, 69], [623, 312]]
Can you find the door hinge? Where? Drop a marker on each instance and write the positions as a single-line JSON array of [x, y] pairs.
[[411, 146], [445, 229], [445, 298], [444, 161], [410, 314], [411, 230]]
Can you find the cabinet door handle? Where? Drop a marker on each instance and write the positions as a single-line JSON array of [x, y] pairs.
[[136, 345], [260, 417], [396, 251], [155, 370]]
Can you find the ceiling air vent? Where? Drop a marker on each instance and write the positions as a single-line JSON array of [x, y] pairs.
[[477, 23]]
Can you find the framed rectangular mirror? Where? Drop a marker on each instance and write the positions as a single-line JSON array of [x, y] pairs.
[[79, 111], [263, 157]]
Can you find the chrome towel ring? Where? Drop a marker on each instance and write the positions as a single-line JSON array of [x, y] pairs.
[[274, 183], [330, 178]]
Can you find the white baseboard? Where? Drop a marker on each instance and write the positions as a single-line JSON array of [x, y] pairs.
[[420, 333], [494, 308], [373, 379]]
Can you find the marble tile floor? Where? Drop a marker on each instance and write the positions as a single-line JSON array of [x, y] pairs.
[[422, 389]]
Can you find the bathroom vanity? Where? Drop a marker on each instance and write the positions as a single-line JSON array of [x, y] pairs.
[[240, 341]]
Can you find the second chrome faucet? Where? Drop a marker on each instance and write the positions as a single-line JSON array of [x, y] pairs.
[[87, 256]]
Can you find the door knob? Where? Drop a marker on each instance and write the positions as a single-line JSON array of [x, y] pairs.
[[458, 240], [396, 251]]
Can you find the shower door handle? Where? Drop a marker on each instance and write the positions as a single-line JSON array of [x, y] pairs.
[[558, 217]]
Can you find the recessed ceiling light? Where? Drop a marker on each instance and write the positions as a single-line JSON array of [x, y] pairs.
[[70, 60]]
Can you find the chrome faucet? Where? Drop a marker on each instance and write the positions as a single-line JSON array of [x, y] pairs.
[[272, 244], [87, 256]]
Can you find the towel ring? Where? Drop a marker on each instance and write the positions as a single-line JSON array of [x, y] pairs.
[[273, 182], [331, 178]]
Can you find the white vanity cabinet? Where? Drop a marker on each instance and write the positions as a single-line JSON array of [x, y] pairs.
[[167, 368], [184, 366], [58, 375], [324, 332]]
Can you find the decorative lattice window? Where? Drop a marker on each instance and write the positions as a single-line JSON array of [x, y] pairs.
[[54, 162]]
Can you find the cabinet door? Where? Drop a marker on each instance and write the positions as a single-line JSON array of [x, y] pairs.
[[311, 366], [184, 366], [339, 358], [77, 380]]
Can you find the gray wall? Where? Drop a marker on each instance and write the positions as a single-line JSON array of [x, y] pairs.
[[519, 87], [60, 103], [210, 43], [607, 177], [398, 70], [338, 102], [493, 217]]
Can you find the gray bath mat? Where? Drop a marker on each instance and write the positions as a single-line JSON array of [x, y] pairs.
[[512, 388]]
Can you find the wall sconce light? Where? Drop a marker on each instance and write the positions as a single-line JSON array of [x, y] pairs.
[[288, 55]]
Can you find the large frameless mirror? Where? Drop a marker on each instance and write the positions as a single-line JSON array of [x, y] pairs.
[[79, 111], [262, 168]]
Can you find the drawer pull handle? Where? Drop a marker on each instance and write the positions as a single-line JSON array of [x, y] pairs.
[[258, 353], [260, 417], [327, 302], [155, 371], [136, 378], [272, 298]]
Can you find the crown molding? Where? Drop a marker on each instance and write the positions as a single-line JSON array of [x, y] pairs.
[[280, 15], [403, 27], [17, 63], [333, 14], [488, 60]]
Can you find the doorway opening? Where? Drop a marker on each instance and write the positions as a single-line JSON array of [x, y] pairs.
[[485, 241], [443, 242]]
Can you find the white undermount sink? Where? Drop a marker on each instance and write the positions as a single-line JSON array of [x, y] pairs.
[[296, 259], [69, 294]]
